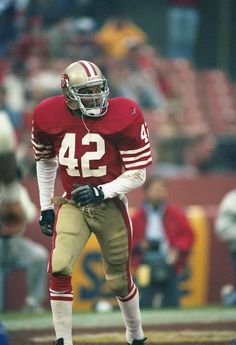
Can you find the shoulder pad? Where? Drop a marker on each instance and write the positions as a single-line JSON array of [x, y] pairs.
[[122, 112], [47, 113]]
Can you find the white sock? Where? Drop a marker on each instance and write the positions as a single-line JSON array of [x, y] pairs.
[[132, 317], [62, 320]]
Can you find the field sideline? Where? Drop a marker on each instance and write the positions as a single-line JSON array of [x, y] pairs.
[[205, 326]]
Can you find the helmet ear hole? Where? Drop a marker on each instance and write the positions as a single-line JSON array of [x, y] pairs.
[[79, 77]]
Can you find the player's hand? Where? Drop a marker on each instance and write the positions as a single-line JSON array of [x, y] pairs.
[[83, 195], [46, 222]]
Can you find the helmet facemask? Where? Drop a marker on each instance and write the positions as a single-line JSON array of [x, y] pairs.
[[93, 104]]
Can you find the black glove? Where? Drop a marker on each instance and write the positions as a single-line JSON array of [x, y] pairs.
[[46, 222], [83, 195]]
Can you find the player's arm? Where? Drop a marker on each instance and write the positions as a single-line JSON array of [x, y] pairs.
[[134, 149], [46, 169], [123, 184], [46, 175]]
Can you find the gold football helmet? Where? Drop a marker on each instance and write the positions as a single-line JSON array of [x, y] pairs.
[[85, 88]]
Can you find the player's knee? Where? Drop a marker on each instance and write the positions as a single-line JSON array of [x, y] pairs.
[[61, 262], [118, 286], [60, 283]]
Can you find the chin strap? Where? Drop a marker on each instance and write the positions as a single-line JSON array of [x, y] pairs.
[[82, 118]]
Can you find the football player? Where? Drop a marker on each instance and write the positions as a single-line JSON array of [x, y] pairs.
[[102, 148]]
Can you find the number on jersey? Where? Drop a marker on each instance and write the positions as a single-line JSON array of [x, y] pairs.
[[67, 155]]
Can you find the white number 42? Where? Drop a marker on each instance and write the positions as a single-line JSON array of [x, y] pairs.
[[67, 153]]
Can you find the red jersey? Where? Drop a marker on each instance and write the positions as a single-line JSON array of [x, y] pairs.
[[91, 150]]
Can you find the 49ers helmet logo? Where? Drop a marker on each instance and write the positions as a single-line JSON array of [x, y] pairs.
[[64, 81]]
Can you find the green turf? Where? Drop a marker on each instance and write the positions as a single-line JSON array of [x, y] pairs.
[[19, 320]]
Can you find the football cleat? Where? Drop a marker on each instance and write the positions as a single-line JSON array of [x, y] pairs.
[[233, 342], [59, 341], [138, 342]]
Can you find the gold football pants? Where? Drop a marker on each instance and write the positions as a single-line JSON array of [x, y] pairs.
[[110, 223]]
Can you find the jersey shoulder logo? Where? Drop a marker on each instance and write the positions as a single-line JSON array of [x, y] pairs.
[[133, 112]]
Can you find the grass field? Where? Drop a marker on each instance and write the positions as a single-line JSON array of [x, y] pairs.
[[207, 325]]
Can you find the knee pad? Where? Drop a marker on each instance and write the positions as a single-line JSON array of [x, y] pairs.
[[60, 283], [118, 285]]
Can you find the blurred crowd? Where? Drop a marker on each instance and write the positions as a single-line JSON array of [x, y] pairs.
[[191, 114], [181, 105]]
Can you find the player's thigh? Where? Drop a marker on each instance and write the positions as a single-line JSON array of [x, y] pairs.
[[114, 240], [72, 234]]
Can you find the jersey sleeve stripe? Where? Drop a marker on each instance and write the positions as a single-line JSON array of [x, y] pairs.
[[40, 145], [43, 155], [128, 152], [139, 164], [145, 154], [36, 145], [41, 152]]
